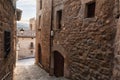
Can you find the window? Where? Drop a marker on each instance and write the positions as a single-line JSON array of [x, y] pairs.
[[117, 11], [90, 9], [39, 20], [59, 19], [7, 41], [31, 45], [40, 4], [31, 51], [31, 26]]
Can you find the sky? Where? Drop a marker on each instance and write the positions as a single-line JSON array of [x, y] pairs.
[[28, 8]]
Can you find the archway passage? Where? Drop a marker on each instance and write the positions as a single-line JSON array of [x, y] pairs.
[[58, 64], [39, 54]]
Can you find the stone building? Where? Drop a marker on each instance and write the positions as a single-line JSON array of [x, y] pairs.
[[79, 39], [32, 24], [26, 42], [43, 35], [8, 17]]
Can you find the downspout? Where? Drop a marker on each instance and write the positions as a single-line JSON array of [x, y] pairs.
[[51, 40]]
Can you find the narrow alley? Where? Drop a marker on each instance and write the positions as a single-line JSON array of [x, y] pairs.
[[26, 68], [59, 39]]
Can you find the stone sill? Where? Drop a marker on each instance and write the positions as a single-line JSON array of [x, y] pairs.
[[90, 19]]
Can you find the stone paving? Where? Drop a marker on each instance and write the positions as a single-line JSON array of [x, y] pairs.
[[27, 70]]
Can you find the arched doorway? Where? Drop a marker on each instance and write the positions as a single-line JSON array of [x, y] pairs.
[[39, 54], [58, 64]]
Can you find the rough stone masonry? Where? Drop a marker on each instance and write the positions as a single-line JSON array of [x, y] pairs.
[[88, 41], [87, 36], [7, 37]]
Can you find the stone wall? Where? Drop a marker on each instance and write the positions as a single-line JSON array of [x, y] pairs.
[[88, 41], [7, 22], [24, 46], [32, 22], [116, 70], [44, 35], [88, 45], [38, 29]]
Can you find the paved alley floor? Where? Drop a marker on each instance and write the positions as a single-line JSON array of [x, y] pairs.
[[27, 70]]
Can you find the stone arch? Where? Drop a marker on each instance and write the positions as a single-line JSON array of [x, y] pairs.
[[58, 64], [62, 52]]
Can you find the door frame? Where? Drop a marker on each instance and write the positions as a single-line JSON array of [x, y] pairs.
[[59, 56], [61, 50]]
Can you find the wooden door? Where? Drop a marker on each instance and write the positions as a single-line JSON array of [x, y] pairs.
[[39, 54], [58, 65]]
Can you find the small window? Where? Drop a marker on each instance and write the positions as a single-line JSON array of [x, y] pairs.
[[40, 4], [59, 19], [31, 26], [31, 51], [39, 20], [31, 45], [7, 41], [117, 11], [90, 9]]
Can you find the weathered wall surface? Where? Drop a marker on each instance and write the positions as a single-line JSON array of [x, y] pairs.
[[32, 22], [116, 70], [38, 29], [43, 37], [88, 45], [45, 33], [25, 50], [88, 41], [7, 22]]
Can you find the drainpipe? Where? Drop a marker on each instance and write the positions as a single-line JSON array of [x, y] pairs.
[[51, 41]]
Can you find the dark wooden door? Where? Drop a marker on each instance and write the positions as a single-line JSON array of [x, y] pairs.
[[39, 54], [58, 65]]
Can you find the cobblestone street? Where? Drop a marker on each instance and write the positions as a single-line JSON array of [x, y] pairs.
[[27, 70]]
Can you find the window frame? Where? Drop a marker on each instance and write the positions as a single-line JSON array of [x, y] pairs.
[[40, 6], [59, 18], [87, 6]]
